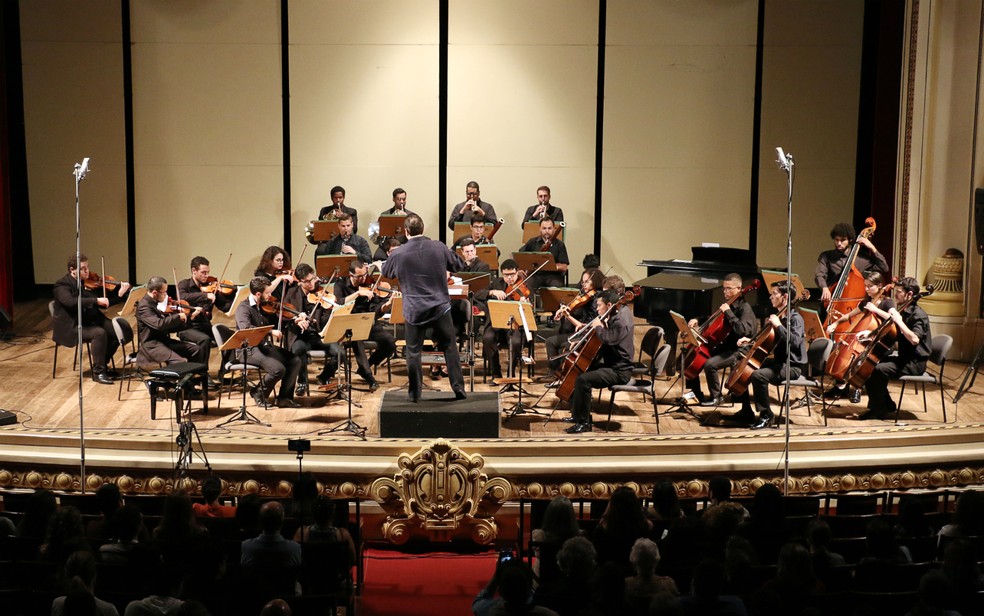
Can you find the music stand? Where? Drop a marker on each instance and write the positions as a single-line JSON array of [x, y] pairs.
[[551, 298], [531, 229], [391, 225], [690, 338], [813, 328], [241, 294], [327, 265], [352, 328], [476, 281], [245, 340], [463, 229], [489, 255], [503, 315], [136, 294], [771, 276], [323, 230], [529, 261]]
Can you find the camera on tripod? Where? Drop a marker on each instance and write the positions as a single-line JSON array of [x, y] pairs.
[[300, 445]]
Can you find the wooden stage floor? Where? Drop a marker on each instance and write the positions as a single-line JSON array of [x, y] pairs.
[[120, 435]]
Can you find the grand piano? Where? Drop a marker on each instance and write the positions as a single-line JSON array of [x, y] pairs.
[[693, 288]]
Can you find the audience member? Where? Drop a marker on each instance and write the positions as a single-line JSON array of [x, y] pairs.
[[125, 529], [795, 584], [80, 572], [665, 604], [277, 607], [164, 584], [964, 576], [912, 520], [577, 562], [40, 507], [622, 523], [270, 561], [705, 598], [192, 608], [765, 527], [968, 517], [248, 516], [65, 536], [607, 592], [827, 565], [7, 527], [875, 571], [559, 524], [513, 581], [109, 499], [211, 508], [934, 593], [641, 587], [323, 529], [666, 510], [177, 535], [740, 562]]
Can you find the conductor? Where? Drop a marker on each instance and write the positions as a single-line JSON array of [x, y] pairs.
[[421, 266]]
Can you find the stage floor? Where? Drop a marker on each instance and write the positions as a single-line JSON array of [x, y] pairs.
[[121, 438]]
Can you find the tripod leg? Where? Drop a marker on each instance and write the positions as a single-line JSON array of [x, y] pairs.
[[971, 374]]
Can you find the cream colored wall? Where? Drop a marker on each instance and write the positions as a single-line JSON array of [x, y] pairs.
[[679, 96], [364, 108], [73, 108], [207, 134], [521, 110], [810, 94]]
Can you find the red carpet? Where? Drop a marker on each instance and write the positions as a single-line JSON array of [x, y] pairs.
[[440, 583]]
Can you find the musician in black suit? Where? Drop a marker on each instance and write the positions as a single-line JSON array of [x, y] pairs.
[[556, 248], [199, 330], [472, 208], [356, 287], [572, 320], [422, 265], [277, 363], [155, 326], [493, 339], [304, 335], [477, 237], [338, 207], [830, 263], [97, 330], [346, 242], [459, 307], [612, 365], [275, 268], [773, 369], [543, 208], [399, 209]]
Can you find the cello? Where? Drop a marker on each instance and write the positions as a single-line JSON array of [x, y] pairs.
[[879, 345], [585, 348], [849, 290], [850, 342], [760, 349], [710, 334]]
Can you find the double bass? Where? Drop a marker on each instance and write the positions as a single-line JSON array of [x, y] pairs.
[[710, 334], [850, 341], [760, 349], [584, 349], [878, 346], [849, 290]]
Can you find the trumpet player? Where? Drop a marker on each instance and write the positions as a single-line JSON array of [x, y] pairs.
[[543, 208], [337, 207], [472, 208], [382, 241]]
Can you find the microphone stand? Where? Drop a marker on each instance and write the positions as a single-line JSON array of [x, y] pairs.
[[81, 170], [785, 162]]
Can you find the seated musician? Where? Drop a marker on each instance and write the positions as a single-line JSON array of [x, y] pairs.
[[615, 283], [459, 307], [873, 284], [914, 348], [612, 365], [304, 335], [357, 287], [773, 369], [592, 281], [275, 268], [472, 208], [477, 236], [556, 248], [346, 242], [97, 330], [190, 290], [385, 248], [277, 364], [741, 321], [399, 209], [543, 208], [338, 207], [493, 338], [155, 324], [830, 263]]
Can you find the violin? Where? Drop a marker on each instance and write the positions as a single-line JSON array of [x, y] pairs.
[[274, 307], [213, 285], [95, 282], [175, 306], [518, 291], [579, 301], [325, 300]]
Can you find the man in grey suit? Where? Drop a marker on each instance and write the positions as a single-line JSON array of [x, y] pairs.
[[421, 266]]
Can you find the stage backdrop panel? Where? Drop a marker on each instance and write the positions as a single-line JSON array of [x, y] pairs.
[[364, 108], [521, 111], [207, 134], [810, 88], [73, 108], [679, 94]]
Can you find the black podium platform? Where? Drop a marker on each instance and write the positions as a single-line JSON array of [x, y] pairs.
[[438, 414]]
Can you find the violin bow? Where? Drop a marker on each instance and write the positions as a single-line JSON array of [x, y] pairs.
[[218, 286], [102, 261]]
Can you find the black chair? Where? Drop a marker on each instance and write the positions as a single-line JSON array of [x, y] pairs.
[[816, 356], [651, 341], [855, 504], [940, 349], [124, 334], [230, 364], [56, 314], [642, 386]]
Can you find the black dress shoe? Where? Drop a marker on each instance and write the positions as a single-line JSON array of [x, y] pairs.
[[373, 385], [102, 378], [745, 416], [856, 396], [259, 397], [834, 393], [301, 389], [578, 428], [322, 379], [460, 394], [872, 414], [113, 374], [287, 403], [715, 401], [763, 422]]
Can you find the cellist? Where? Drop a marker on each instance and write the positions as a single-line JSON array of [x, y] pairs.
[[873, 283], [914, 348], [830, 263], [613, 363], [773, 369], [743, 324]]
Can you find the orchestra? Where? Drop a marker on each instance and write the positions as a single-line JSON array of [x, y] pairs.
[[866, 326]]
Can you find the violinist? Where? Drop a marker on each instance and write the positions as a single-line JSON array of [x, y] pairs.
[[157, 319], [914, 348], [873, 284], [337, 207], [276, 363], [773, 369], [346, 242], [612, 365], [399, 209], [275, 268], [743, 323], [573, 319], [543, 243], [543, 208], [422, 265], [830, 263], [304, 335], [199, 329], [358, 287], [97, 330], [472, 208], [492, 338]]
